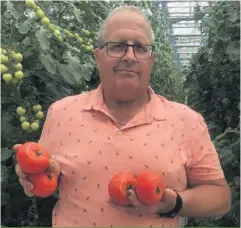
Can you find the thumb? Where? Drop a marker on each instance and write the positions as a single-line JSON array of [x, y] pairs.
[[169, 196], [16, 147], [54, 167]]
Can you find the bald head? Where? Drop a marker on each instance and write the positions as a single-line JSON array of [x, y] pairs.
[[129, 14]]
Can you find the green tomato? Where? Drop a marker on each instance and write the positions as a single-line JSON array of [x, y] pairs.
[[22, 119], [40, 13], [7, 77], [76, 36], [66, 32], [37, 108], [25, 125], [29, 3], [18, 57], [20, 111], [34, 126], [18, 75], [45, 21], [80, 40], [4, 59], [39, 115], [18, 66], [57, 33], [51, 28], [4, 69], [88, 48]]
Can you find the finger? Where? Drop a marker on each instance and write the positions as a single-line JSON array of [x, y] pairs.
[[26, 184], [16, 146], [169, 196], [133, 199], [27, 187], [18, 170], [28, 193], [54, 167]]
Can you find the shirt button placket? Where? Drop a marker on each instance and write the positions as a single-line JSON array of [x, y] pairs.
[[120, 132]]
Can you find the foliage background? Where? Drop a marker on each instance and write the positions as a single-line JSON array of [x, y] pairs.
[[58, 67]]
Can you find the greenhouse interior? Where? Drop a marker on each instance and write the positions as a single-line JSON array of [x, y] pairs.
[[186, 35], [54, 56]]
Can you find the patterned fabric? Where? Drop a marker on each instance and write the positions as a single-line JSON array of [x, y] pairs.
[[165, 137]]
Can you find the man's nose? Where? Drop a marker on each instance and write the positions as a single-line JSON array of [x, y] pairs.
[[129, 55]]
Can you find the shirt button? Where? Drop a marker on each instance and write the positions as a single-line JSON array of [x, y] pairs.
[[120, 132]]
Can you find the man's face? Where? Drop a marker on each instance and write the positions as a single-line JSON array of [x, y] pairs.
[[127, 77]]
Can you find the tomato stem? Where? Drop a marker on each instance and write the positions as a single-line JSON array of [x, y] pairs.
[[158, 190], [128, 187], [49, 176], [39, 153]]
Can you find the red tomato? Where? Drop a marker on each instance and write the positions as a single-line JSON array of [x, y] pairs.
[[118, 187], [149, 187], [44, 184], [32, 158]]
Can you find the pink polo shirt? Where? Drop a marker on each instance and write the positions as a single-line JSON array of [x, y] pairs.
[[165, 137]]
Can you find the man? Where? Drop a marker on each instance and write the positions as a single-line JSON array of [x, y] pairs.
[[125, 126]]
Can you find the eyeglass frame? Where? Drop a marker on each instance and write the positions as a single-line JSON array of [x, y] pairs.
[[127, 46]]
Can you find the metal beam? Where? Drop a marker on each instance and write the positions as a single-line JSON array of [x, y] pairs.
[[193, 26], [182, 35], [184, 53], [178, 19], [179, 12], [186, 45]]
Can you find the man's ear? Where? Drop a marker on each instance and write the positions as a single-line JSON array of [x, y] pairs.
[[97, 57]]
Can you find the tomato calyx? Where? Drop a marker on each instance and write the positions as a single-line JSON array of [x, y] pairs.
[[130, 187], [39, 153], [49, 176], [158, 190]]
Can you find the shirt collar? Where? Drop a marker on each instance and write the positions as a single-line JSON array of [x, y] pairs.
[[154, 110]]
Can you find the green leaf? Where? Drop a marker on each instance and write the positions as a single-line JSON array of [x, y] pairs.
[[24, 27], [12, 10], [26, 41], [210, 22], [233, 50], [48, 62], [43, 36], [233, 17], [77, 14], [4, 198], [4, 175], [6, 154], [86, 71], [65, 71], [74, 64]]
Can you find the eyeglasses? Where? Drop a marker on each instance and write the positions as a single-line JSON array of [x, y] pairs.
[[118, 49]]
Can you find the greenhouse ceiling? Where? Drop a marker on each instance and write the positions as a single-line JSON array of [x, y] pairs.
[[186, 36]]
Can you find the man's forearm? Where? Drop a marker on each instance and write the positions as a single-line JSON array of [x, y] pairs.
[[205, 201]]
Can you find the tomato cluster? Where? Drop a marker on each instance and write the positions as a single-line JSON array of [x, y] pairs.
[[83, 40], [34, 160], [148, 186], [11, 67], [30, 123]]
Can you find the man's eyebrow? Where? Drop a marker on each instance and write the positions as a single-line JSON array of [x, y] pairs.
[[135, 41]]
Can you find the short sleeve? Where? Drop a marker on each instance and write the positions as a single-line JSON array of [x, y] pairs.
[[203, 160]]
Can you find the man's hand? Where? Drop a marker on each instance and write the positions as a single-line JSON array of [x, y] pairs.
[[167, 203], [27, 186]]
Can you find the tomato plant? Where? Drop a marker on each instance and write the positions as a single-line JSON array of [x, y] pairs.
[[118, 187], [149, 187], [32, 157]]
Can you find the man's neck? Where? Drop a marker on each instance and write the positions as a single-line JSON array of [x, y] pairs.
[[124, 111]]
